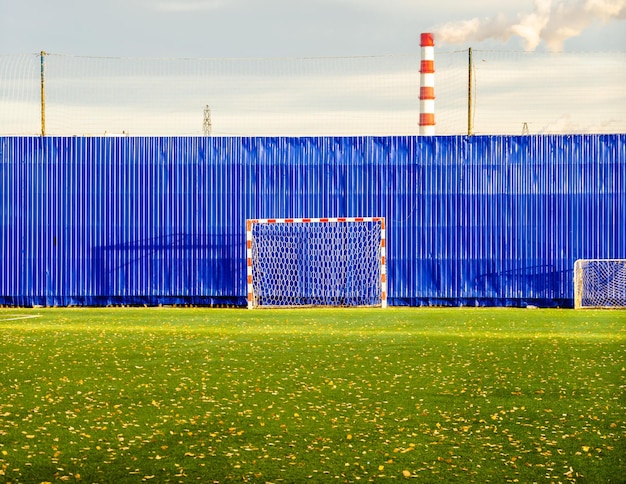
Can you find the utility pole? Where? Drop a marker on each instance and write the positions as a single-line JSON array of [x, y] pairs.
[[470, 95], [43, 92], [206, 123]]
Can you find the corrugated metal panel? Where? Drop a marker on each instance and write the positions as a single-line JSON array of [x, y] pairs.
[[471, 220]]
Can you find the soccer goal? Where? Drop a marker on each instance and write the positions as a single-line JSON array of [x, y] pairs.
[[316, 262], [600, 283]]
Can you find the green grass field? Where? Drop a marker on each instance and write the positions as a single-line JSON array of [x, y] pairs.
[[221, 395]]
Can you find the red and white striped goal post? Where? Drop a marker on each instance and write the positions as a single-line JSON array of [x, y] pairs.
[[250, 223]]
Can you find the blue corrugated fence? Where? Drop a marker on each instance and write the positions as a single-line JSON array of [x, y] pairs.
[[486, 220]]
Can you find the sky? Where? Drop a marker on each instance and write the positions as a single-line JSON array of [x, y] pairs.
[[302, 28], [314, 29]]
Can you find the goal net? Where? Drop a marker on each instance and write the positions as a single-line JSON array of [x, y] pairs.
[[600, 283], [316, 262]]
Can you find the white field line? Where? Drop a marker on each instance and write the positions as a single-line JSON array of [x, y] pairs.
[[21, 317]]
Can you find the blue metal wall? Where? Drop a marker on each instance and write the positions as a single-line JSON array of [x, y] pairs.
[[489, 220]]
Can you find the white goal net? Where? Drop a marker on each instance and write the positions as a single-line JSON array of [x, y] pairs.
[[600, 283], [316, 262]]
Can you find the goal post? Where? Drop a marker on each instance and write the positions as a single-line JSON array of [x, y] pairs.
[[316, 262], [600, 283]]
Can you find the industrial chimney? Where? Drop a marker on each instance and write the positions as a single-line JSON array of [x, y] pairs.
[[427, 85]]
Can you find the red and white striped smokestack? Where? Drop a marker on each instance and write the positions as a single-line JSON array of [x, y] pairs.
[[427, 85]]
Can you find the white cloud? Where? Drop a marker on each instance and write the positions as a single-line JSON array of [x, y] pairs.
[[531, 25], [549, 22]]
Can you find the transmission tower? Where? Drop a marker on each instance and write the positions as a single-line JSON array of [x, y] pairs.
[[206, 123]]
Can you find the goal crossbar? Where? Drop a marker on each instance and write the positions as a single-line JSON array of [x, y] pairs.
[[334, 261]]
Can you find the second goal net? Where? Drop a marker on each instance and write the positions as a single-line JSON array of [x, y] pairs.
[[600, 283], [316, 262]]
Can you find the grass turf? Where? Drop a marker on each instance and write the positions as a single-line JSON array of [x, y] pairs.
[[182, 395]]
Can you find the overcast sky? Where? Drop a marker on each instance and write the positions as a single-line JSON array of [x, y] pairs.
[[318, 53], [296, 28]]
